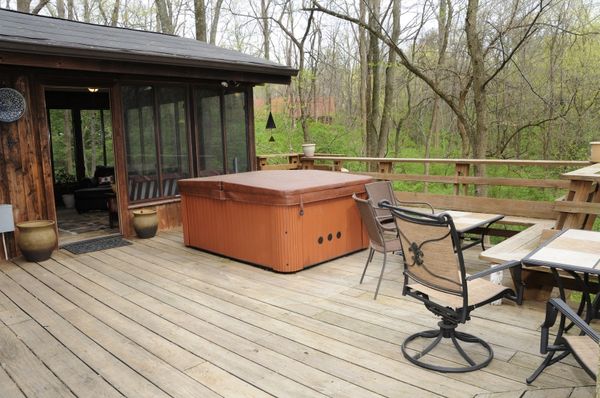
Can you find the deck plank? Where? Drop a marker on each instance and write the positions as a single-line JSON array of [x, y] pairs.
[[160, 319], [32, 377]]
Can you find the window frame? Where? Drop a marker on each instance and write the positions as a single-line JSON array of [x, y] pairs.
[[246, 91], [157, 136]]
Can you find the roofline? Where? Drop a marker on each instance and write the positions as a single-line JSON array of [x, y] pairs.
[[95, 54]]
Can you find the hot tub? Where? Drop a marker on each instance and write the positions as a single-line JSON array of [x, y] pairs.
[[285, 220]]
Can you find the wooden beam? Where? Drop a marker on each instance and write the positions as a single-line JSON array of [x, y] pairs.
[[135, 68], [500, 181], [125, 223], [513, 207], [497, 162]]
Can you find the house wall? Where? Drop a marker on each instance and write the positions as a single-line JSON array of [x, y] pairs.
[[26, 178], [25, 168]]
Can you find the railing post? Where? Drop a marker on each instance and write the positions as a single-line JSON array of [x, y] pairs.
[[337, 165], [261, 162], [384, 167], [461, 170], [294, 160], [307, 164]]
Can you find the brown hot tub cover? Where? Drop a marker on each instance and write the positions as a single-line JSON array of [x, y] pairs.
[[285, 220]]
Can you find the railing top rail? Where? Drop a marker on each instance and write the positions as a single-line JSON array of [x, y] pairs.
[[516, 162]]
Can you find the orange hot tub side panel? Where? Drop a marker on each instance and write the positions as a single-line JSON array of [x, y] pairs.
[[277, 237]]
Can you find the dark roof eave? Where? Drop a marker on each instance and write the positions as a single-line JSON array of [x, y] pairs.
[[96, 54]]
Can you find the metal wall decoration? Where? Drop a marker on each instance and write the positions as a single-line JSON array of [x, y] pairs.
[[12, 105]]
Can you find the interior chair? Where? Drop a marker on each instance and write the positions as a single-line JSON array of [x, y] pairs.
[[434, 273], [379, 241], [583, 346], [383, 190]]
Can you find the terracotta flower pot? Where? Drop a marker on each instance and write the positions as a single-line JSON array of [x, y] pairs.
[[145, 223], [37, 239]]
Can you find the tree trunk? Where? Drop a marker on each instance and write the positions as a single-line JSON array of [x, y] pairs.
[[479, 133], [70, 10], [266, 33], [24, 5], [68, 139], [374, 59], [215, 21], [114, 18], [200, 20], [164, 17], [364, 73], [444, 21], [60, 8], [390, 86]]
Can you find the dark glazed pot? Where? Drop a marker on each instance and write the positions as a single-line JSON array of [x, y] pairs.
[[145, 223], [37, 239]]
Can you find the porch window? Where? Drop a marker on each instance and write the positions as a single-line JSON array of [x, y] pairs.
[[221, 131], [156, 140]]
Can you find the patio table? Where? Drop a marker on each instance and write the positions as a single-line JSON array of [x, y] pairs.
[[577, 253], [466, 222]]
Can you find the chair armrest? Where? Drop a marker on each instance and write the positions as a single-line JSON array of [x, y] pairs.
[[409, 203], [557, 305], [491, 270]]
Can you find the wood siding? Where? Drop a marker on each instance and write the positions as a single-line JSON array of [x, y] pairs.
[[26, 177], [25, 167]]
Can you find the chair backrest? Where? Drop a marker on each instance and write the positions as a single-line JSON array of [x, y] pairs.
[[431, 247], [369, 219], [378, 191]]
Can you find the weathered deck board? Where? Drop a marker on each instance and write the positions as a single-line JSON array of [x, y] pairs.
[[160, 319]]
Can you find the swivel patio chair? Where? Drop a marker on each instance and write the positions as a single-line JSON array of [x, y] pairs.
[[379, 241], [434, 273], [383, 190], [584, 346]]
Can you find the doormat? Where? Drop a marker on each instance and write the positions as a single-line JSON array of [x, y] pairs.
[[93, 245]]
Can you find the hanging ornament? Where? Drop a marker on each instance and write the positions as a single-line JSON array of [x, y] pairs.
[[270, 126]]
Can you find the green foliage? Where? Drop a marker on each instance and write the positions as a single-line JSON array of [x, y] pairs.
[[330, 138]]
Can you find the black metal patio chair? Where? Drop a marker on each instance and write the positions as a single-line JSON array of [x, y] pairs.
[[583, 346], [379, 240], [434, 273]]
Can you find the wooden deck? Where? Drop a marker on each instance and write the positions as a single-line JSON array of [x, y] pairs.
[[156, 319]]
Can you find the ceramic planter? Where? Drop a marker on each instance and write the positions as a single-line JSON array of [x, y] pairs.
[[145, 223], [37, 239], [309, 149]]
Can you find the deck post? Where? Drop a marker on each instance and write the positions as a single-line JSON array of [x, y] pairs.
[[461, 170]]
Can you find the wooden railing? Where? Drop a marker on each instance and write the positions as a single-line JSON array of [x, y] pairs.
[[576, 183]]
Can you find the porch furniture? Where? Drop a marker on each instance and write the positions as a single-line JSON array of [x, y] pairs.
[[583, 346], [434, 273], [93, 196], [383, 190], [379, 241], [285, 220], [465, 222], [576, 253]]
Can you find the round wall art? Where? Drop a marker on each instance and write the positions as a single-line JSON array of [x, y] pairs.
[[12, 105]]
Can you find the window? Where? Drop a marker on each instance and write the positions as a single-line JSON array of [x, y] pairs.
[[221, 131], [156, 140], [210, 137], [235, 130]]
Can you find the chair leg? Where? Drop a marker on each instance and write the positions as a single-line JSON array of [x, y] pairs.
[[447, 330], [380, 275], [369, 259]]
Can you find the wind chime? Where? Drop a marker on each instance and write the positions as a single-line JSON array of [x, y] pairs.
[[271, 126]]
